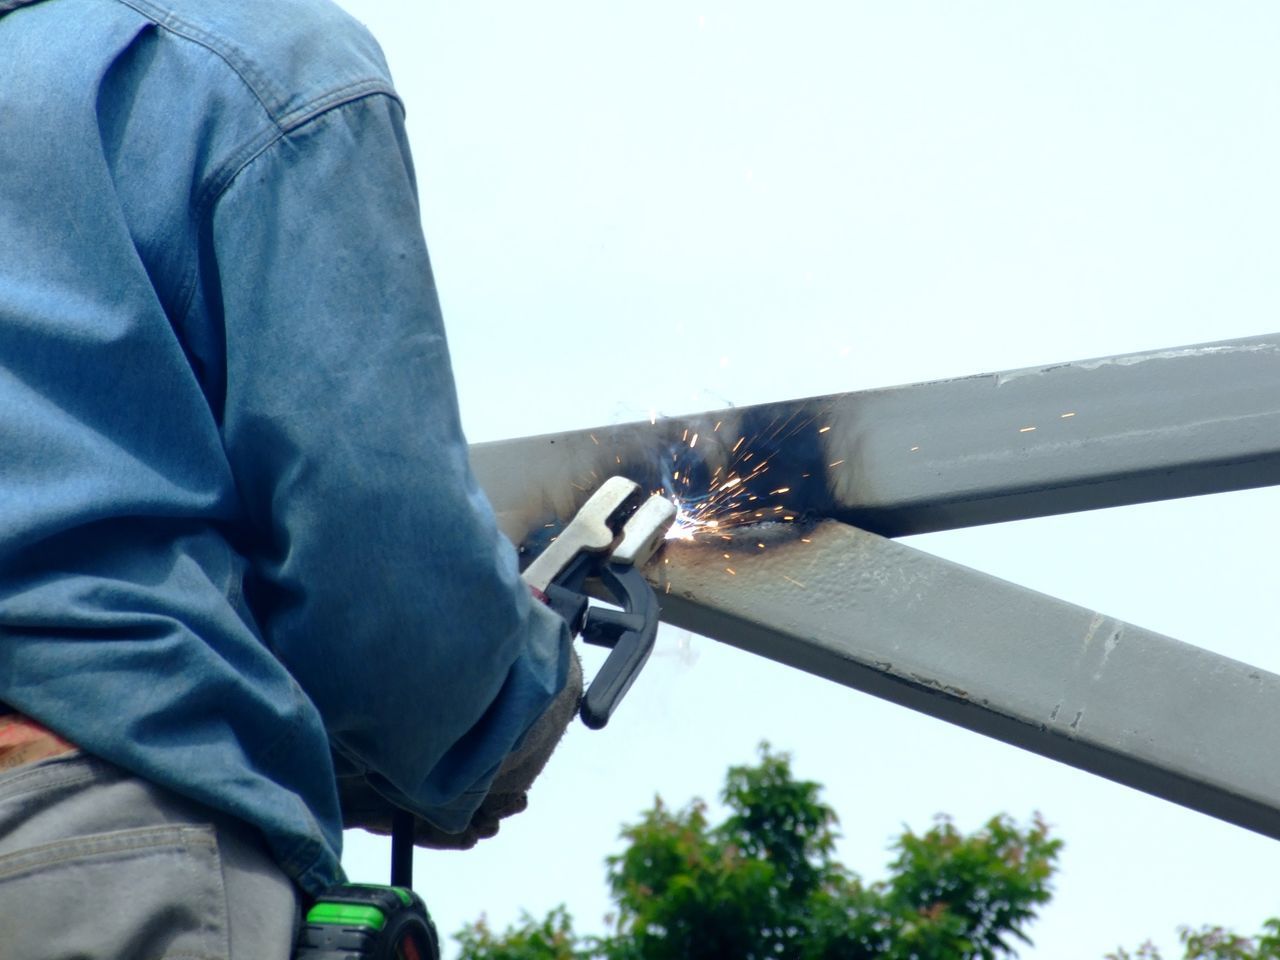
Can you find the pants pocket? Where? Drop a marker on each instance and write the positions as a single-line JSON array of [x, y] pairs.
[[152, 893]]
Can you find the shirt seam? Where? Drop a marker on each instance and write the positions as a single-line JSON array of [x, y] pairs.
[[278, 127], [255, 147], [239, 159], [253, 79], [188, 31]]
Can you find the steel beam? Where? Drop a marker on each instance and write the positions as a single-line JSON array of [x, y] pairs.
[[1163, 716], [934, 456]]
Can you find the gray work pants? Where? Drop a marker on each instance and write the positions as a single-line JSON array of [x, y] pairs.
[[96, 864]]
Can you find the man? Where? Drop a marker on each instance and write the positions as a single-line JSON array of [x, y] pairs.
[[239, 537]]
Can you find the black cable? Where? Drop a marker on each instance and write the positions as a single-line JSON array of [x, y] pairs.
[[402, 849]]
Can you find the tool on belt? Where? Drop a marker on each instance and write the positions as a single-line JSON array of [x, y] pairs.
[[609, 540]]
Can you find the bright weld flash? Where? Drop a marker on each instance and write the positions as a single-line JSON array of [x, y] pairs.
[[688, 524], [723, 503]]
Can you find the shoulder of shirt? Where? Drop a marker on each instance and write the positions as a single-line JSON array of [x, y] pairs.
[[299, 57]]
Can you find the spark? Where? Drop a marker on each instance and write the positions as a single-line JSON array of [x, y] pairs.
[[805, 540], [731, 571], [1025, 429], [725, 500], [1065, 415], [593, 439], [727, 557], [836, 464], [914, 449], [796, 582], [823, 429]]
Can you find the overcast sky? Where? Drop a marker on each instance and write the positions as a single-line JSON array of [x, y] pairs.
[[677, 207]]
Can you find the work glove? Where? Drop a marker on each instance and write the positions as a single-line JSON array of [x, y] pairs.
[[364, 807]]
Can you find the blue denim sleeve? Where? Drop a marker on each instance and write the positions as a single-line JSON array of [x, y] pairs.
[[379, 577]]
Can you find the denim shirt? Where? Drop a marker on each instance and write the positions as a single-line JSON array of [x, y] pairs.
[[238, 528]]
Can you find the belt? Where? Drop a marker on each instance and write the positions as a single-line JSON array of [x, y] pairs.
[[23, 740]]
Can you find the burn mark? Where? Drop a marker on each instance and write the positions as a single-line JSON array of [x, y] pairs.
[[762, 464], [790, 443], [747, 467]]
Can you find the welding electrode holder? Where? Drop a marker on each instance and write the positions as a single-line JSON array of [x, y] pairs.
[[629, 633], [611, 538]]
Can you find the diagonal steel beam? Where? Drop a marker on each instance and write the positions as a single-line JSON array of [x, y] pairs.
[[1142, 709], [935, 456], [1163, 716]]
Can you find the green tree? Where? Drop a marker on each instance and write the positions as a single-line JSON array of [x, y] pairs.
[[1215, 943], [550, 939], [764, 883]]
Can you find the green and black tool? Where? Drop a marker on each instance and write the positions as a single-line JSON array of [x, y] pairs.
[[360, 921]]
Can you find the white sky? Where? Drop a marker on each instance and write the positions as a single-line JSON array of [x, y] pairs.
[[676, 207]]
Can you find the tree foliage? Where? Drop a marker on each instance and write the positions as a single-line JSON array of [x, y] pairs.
[[549, 939], [764, 883], [1215, 943]]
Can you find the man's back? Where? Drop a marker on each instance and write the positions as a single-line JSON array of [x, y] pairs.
[[237, 523]]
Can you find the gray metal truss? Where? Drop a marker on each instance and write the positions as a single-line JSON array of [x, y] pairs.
[[1163, 716], [846, 604], [955, 453]]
